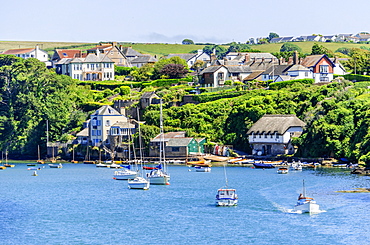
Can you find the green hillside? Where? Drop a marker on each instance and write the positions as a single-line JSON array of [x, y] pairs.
[[163, 49]]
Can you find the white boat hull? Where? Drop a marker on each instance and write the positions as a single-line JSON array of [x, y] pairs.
[[309, 207], [125, 175], [158, 177], [139, 183], [160, 180], [227, 202]]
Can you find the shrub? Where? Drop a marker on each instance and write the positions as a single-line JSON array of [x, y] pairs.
[[284, 84]]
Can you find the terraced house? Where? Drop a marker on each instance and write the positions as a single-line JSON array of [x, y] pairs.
[[93, 67]]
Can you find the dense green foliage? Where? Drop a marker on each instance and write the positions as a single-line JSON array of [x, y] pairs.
[[31, 95], [336, 115], [288, 47]]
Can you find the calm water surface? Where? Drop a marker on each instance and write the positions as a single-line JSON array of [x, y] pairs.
[[82, 204]]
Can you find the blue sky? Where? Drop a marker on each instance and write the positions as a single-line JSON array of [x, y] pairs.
[[170, 21]]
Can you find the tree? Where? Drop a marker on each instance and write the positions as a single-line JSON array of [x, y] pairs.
[[237, 47], [187, 41], [288, 47], [143, 73], [220, 51], [272, 35], [158, 66], [319, 49], [359, 61], [174, 71]]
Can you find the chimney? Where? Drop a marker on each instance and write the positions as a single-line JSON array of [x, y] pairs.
[[225, 61], [213, 58], [247, 58], [114, 44], [295, 58], [200, 51]]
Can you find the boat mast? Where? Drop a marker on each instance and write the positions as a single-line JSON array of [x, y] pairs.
[[226, 181], [304, 190], [162, 157], [140, 150]]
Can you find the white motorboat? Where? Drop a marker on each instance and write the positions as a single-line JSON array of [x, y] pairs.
[[226, 196], [202, 169], [283, 170], [306, 204], [160, 176], [56, 165], [138, 183], [125, 174], [295, 166], [114, 165]]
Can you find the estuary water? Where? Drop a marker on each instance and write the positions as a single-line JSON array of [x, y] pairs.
[[82, 204]]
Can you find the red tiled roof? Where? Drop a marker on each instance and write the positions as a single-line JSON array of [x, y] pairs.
[[68, 53], [19, 51]]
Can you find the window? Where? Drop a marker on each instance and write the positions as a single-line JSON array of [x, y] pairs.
[[107, 123], [93, 132], [92, 66], [176, 149], [220, 76], [306, 74], [98, 132], [324, 69]]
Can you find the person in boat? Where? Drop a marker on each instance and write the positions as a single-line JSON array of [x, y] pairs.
[[301, 196]]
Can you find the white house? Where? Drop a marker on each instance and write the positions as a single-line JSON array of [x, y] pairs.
[[192, 58], [26, 53], [272, 134], [215, 76], [95, 67], [107, 121]]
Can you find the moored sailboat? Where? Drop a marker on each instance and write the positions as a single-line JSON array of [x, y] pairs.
[[139, 182], [160, 176], [226, 196]]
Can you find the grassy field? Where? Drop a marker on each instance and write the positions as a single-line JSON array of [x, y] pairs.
[[307, 46], [161, 49]]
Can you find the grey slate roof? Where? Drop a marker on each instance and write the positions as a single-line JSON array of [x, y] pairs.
[[270, 123], [147, 95], [129, 52], [121, 124], [144, 58], [277, 70], [106, 110], [182, 56], [179, 141]]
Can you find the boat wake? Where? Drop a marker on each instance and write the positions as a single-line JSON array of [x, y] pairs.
[[293, 211]]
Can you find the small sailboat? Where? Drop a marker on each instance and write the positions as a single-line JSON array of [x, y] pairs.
[[39, 161], [226, 196], [34, 173], [160, 176], [6, 164], [139, 182], [126, 173], [306, 204]]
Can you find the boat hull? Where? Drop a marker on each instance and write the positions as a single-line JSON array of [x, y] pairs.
[[158, 177], [263, 165], [202, 169], [125, 175], [159, 180], [226, 202], [139, 183], [309, 207]]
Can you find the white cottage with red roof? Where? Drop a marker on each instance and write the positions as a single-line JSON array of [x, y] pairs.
[[26, 53]]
